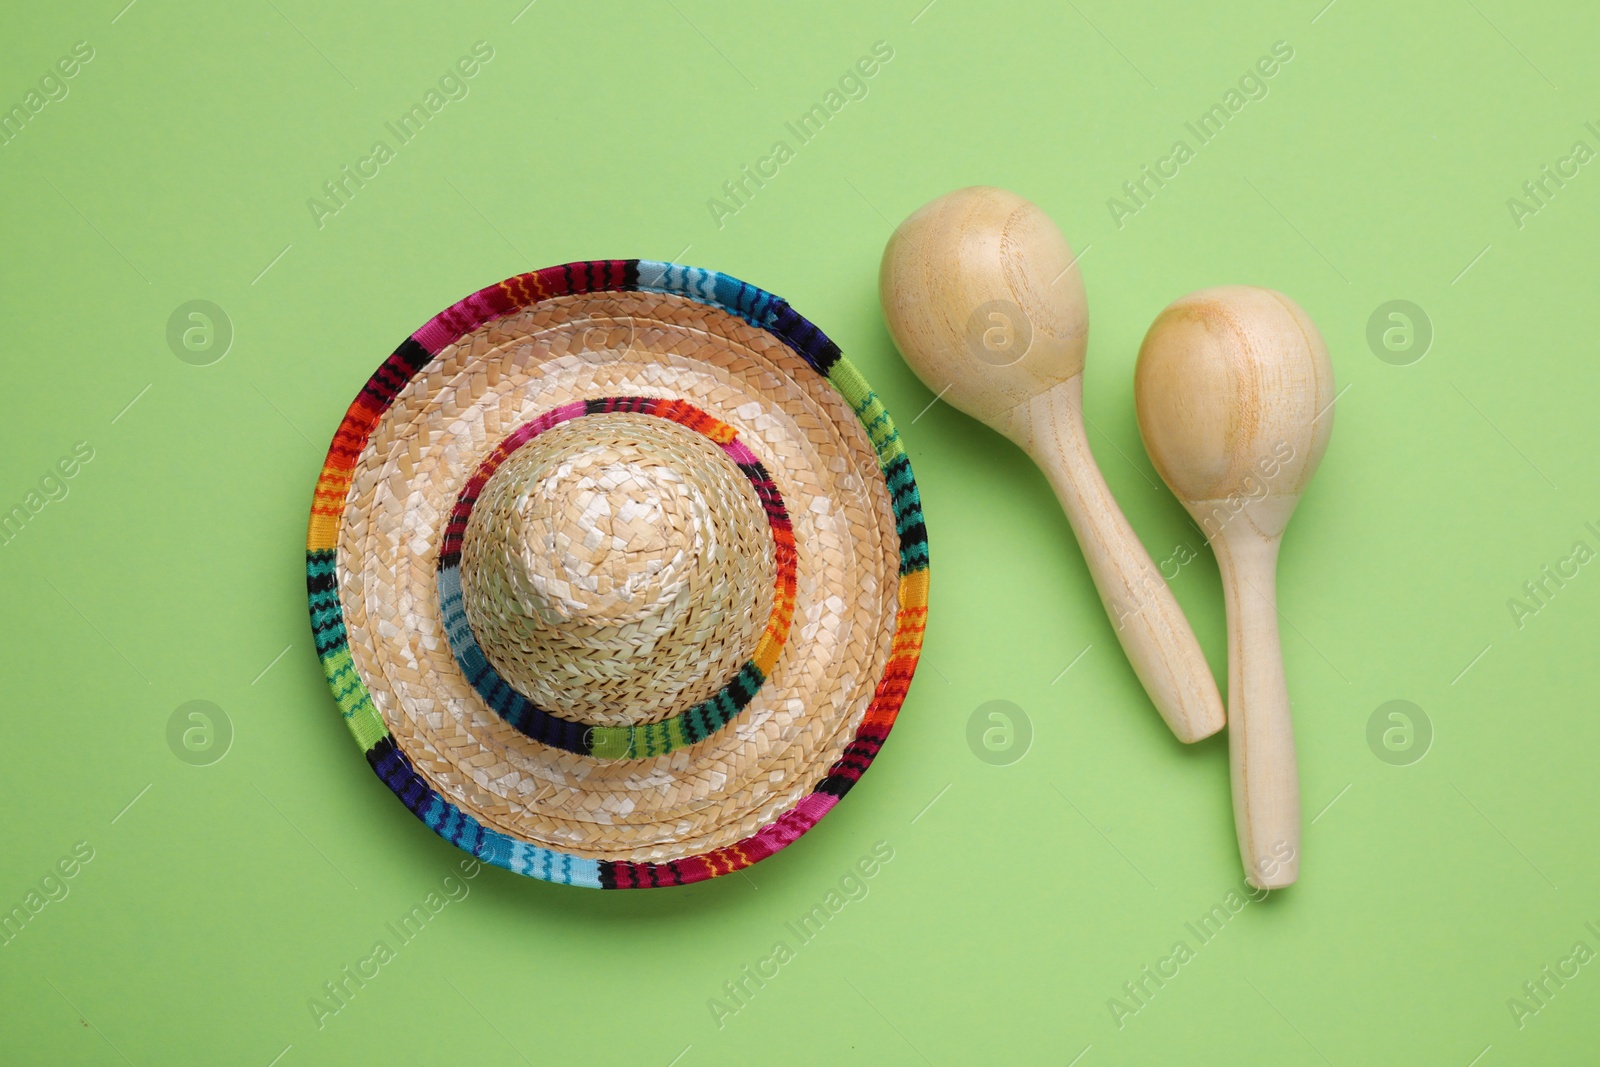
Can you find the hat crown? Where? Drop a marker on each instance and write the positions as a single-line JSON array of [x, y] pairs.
[[602, 539], [617, 569]]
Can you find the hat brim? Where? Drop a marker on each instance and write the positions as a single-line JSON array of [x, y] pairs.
[[469, 377]]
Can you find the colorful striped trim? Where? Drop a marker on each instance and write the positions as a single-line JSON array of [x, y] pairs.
[[760, 309], [620, 742]]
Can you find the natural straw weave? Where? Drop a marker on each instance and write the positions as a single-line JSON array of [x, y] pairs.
[[517, 613], [620, 571]]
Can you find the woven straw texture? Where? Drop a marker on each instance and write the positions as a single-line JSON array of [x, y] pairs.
[[619, 570], [586, 548], [619, 567]]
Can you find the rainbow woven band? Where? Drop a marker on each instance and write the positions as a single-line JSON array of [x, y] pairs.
[[762, 310], [648, 739]]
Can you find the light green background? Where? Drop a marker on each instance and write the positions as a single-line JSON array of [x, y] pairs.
[[1377, 168]]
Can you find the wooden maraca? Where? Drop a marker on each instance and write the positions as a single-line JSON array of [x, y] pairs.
[[1234, 393], [984, 299]]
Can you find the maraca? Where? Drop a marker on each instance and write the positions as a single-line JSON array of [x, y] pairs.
[[983, 297], [1234, 394]]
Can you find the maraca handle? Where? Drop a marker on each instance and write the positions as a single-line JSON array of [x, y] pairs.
[[1266, 782], [1155, 635]]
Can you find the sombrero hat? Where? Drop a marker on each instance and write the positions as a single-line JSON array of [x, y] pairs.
[[618, 574]]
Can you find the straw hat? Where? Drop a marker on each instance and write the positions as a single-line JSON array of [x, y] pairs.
[[618, 574]]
